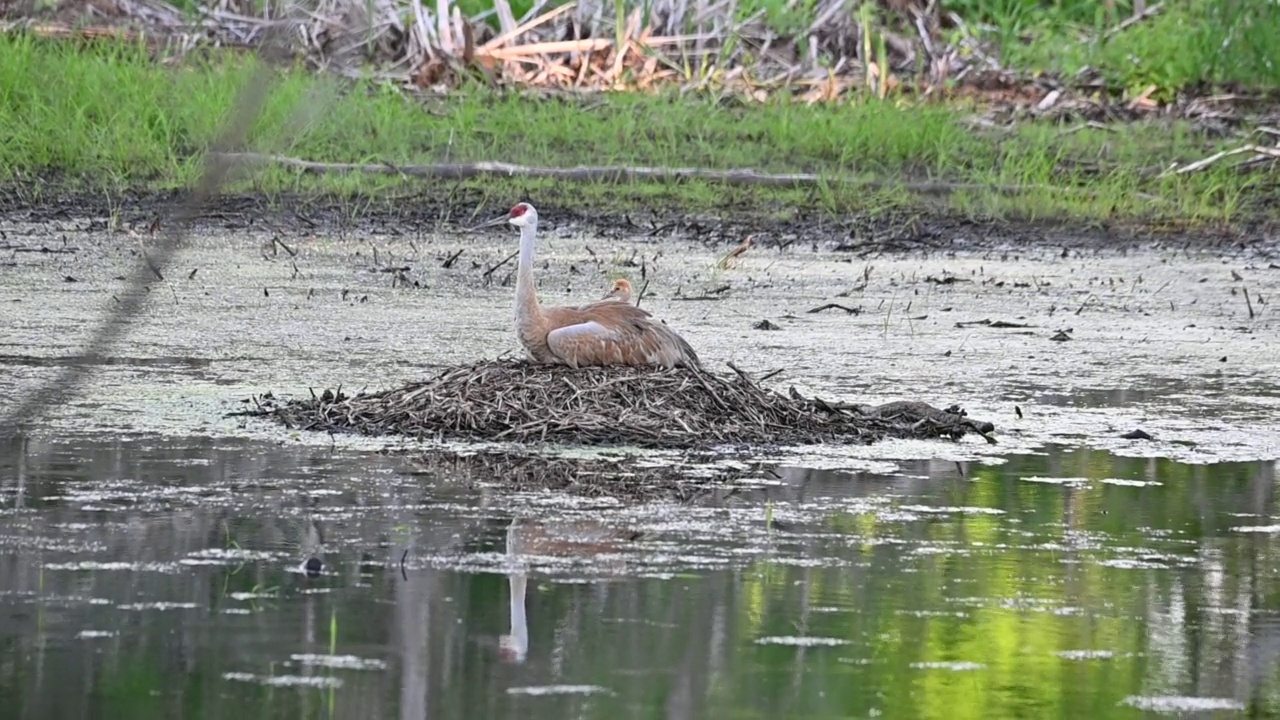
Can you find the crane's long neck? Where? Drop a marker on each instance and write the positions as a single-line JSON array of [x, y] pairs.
[[527, 307], [518, 582]]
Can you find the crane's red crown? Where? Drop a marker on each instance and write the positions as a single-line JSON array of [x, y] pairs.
[[519, 210]]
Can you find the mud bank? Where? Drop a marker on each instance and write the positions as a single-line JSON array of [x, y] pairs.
[[55, 201]]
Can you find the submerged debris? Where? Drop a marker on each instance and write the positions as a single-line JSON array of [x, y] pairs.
[[517, 401], [687, 480]]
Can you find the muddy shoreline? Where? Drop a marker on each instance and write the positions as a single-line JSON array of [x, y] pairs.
[[862, 234]]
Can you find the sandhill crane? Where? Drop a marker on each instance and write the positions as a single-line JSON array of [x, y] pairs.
[[620, 290], [600, 333]]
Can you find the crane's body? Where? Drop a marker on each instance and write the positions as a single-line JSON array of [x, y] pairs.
[[606, 332]]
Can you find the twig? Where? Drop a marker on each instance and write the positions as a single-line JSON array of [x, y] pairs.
[[836, 306], [1206, 162], [449, 261], [1090, 124], [277, 241], [621, 174], [507, 259], [42, 249], [643, 289], [1135, 19]]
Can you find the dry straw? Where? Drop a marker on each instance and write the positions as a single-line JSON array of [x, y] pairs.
[[508, 401], [584, 45], [873, 46]]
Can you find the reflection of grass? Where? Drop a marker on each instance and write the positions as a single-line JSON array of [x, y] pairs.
[[109, 117], [333, 650], [1008, 592]]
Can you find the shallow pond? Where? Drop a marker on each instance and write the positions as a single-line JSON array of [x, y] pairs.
[[1087, 346], [161, 577], [159, 559]]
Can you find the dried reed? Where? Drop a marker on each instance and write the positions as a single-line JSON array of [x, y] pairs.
[[877, 46], [583, 45]]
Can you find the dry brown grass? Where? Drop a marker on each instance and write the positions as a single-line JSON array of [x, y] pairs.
[[875, 47], [585, 45]]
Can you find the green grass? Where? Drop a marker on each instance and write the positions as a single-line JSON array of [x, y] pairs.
[[108, 117], [1190, 43]]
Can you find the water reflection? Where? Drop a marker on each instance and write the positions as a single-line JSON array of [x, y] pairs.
[[515, 645], [145, 578], [554, 541]]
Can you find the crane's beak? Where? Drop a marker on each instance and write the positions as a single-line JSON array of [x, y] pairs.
[[491, 223]]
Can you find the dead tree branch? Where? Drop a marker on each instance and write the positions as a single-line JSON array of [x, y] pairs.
[[618, 174]]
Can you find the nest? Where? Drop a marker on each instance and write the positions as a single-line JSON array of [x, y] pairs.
[[523, 402]]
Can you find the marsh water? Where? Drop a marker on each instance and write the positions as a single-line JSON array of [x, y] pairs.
[[162, 578], [161, 559]]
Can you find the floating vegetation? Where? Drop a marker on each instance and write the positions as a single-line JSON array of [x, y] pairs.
[[93, 565], [1180, 704], [1085, 654], [225, 556], [1265, 529], [1065, 481], [560, 690], [162, 605], [953, 666], [311, 681], [341, 662], [801, 640], [517, 401], [951, 509], [1131, 483]]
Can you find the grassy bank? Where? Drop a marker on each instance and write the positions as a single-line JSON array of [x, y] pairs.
[[1175, 46], [110, 118]]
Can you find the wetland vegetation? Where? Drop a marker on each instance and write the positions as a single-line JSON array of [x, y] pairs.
[[104, 117], [162, 556]]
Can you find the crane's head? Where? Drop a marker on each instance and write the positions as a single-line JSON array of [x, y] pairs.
[[619, 290], [523, 214], [520, 216]]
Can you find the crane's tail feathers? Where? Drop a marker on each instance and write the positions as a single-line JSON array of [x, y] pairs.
[[688, 355]]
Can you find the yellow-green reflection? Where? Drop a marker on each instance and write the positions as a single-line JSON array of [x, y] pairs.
[[935, 596]]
